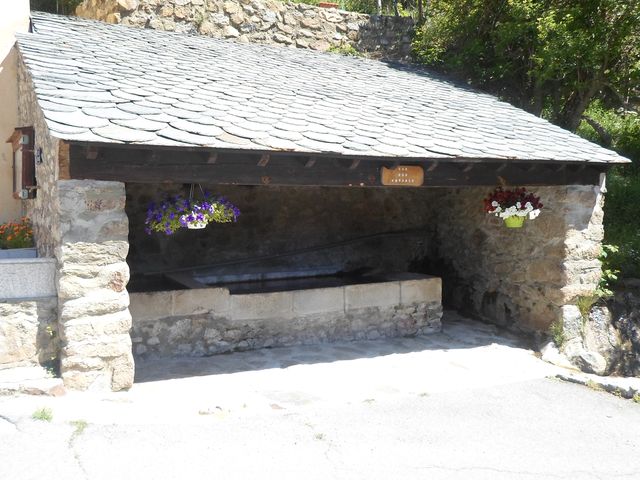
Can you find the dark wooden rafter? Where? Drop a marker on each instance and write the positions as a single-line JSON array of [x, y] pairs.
[[285, 168]]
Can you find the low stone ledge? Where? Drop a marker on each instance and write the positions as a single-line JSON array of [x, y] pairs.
[[27, 278], [301, 317]]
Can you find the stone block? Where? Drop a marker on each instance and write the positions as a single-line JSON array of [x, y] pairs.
[[199, 301], [86, 329], [75, 281], [85, 253], [27, 278], [372, 295], [571, 321], [418, 291], [104, 347], [100, 301], [320, 300], [150, 306], [262, 305]]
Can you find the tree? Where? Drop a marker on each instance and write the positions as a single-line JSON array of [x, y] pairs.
[[64, 7], [546, 56]]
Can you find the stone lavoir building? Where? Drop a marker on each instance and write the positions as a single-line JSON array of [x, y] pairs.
[[317, 151]]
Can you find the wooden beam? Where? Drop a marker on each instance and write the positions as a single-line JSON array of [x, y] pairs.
[[167, 166], [63, 160]]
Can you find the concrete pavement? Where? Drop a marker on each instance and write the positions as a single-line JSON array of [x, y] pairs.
[[468, 403]]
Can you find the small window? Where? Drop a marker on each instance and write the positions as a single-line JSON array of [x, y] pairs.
[[24, 164]]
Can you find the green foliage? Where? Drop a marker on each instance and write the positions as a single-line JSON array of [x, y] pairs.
[[346, 49], [622, 128], [636, 398], [557, 333], [585, 302], [622, 222], [43, 414], [63, 7], [609, 271], [551, 56]]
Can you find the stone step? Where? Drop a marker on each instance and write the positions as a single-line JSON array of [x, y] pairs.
[[31, 380]]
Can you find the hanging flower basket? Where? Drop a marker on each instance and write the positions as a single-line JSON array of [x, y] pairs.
[[514, 222], [196, 225], [177, 212], [513, 206]]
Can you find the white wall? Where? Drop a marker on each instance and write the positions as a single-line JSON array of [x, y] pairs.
[[14, 18]]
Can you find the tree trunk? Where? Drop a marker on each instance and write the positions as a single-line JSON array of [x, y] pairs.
[[605, 136], [571, 114]]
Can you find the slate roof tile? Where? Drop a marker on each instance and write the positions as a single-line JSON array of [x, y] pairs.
[[112, 83]]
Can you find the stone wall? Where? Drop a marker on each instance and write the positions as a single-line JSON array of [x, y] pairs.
[[209, 321], [519, 278], [28, 332], [41, 210], [606, 339], [28, 312], [263, 21], [276, 220]]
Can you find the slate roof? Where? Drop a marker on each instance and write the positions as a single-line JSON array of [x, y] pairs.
[[115, 84]]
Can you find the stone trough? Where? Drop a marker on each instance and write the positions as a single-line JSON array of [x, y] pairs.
[[208, 321]]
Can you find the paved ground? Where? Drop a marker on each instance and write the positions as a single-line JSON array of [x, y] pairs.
[[465, 404]]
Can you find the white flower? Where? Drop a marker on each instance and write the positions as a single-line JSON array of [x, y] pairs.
[[518, 205], [533, 214], [495, 204], [528, 206]]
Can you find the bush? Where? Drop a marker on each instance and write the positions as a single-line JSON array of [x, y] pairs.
[[622, 205], [622, 222]]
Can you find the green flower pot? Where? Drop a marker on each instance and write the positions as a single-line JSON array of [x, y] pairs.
[[514, 222]]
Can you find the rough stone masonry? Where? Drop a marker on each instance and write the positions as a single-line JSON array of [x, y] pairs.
[[83, 225], [263, 21]]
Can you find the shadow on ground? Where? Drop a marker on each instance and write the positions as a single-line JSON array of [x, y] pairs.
[[457, 333]]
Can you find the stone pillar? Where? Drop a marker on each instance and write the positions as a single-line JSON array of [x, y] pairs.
[[584, 231], [520, 278], [93, 315], [582, 273]]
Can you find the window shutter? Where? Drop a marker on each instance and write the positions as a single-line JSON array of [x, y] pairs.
[[24, 170]]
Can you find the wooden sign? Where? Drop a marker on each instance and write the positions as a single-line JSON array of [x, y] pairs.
[[403, 176]]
